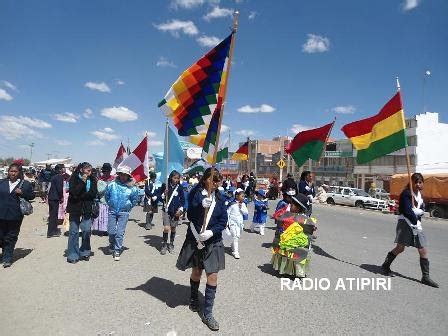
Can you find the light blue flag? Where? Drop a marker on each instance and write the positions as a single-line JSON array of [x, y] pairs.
[[176, 157]]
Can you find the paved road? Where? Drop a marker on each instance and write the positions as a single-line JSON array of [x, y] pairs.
[[144, 294]]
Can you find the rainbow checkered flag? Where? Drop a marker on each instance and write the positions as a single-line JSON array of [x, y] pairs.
[[208, 150], [193, 98]]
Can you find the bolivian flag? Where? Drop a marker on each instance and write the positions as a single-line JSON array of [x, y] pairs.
[[242, 153], [381, 134]]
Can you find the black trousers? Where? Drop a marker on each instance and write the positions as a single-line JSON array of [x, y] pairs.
[[53, 207], [9, 233]]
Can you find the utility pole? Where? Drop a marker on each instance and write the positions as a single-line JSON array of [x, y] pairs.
[[48, 156], [282, 148]]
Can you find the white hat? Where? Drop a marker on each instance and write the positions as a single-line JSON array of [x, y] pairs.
[[124, 170], [237, 191]]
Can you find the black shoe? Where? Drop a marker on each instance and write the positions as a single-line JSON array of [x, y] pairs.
[[85, 258], [7, 264], [53, 235], [387, 262], [148, 226], [163, 249], [426, 280], [210, 322], [171, 248], [72, 261], [194, 305]]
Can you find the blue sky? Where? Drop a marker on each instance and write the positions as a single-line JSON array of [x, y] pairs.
[[77, 77]]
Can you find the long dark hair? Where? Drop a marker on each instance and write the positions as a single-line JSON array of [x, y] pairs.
[[172, 174], [207, 173], [305, 173], [19, 168], [78, 169], [414, 178]]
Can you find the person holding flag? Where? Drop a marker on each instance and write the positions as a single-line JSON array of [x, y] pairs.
[[203, 250]]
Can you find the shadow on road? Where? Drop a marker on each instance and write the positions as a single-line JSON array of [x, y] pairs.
[[268, 269], [20, 253], [376, 269], [133, 220], [153, 241], [319, 251], [173, 295], [266, 245]]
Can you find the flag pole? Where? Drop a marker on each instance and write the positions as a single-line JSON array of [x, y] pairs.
[[166, 156], [408, 160], [223, 100], [326, 139]]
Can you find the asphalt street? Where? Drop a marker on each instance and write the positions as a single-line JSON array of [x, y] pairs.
[[144, 294]]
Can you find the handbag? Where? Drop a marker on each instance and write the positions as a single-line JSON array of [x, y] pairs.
[[95, 209], [25, 207]]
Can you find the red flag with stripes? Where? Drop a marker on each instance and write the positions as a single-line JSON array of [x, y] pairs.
[[121, 155], [138, 161]]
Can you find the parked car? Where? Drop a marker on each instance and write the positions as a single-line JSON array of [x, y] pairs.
[[354, 197], [380, 193]]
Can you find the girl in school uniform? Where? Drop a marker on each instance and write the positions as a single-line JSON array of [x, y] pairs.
[[151, 200], [409, 229], [203, 250], [173, 209], [260, 211]]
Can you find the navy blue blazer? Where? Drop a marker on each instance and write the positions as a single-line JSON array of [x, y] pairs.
[[149, 194], [405, 207], [196, 212], [10, 202], [56, 192], [303, 190], [177, 202]]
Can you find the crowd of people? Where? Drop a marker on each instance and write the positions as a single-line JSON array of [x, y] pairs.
[[96, 201]]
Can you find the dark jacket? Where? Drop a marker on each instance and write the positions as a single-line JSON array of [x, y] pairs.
[[56, 192], [405, 207], [79, 200], [306, 191], [149, 186], [45, 175], [289, 183], [177, 202], [196, 212], [10, 202]]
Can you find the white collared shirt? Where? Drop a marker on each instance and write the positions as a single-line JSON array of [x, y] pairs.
[[12, 185]]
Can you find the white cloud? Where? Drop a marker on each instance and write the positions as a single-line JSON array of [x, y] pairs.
[[10, 86], [155, 143], [186, 3], [218, 12], [119, 113], [163, 62], [5, 95], [349, 109], [95, 143], [245, 132], [102, 87], [252, 15], [12, 128], [208, 41], [119, 82], [315, 44], [174, 27], [66, 117], [88, 113], [63, 143], [27, 121], [106, 134], [410, 4], [296, 128], [263, 108]]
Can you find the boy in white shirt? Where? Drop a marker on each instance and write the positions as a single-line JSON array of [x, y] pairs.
[[236, 210]]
